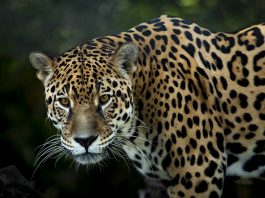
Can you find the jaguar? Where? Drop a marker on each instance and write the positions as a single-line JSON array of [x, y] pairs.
[[185, 104]]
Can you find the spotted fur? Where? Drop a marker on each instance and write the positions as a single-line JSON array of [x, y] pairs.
[[186, 105]]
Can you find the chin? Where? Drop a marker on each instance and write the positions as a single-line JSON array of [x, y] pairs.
[[88, 158]]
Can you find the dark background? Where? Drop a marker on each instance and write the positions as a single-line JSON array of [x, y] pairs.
[[54, 26]]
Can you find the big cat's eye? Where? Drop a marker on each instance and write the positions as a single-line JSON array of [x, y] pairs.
[[64, 102], [104, 99]]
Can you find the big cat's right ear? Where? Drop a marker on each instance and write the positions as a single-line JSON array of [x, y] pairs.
[[42, 63], [125, 57]]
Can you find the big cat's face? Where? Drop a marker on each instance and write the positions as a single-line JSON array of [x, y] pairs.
[[89, 101]]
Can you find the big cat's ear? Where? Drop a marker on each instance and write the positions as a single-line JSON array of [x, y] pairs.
[[42, 63], [125, 57]]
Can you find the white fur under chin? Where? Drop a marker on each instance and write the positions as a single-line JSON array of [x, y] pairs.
[[88, 158]]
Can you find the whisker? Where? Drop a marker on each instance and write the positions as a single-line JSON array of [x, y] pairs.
[[139, 119], [59, 156], [136, 137], [77, 165], [39, 162], [45, 151], [117, 150], [132, 146], [141, 126], [52, 138]]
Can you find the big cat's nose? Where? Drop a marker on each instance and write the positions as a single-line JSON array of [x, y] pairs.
[[87, 141]]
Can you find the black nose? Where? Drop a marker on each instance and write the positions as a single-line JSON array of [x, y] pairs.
[[86, 142]]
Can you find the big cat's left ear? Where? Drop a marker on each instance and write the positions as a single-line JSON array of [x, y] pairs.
[[125, 57]]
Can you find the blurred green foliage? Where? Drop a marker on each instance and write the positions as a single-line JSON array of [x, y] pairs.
[[54, 26]]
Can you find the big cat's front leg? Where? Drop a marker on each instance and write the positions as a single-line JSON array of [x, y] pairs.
[[202, 187], [200, 173], [153, 189]]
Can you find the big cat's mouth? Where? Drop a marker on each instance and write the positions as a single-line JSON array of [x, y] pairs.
[[89, 158]]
